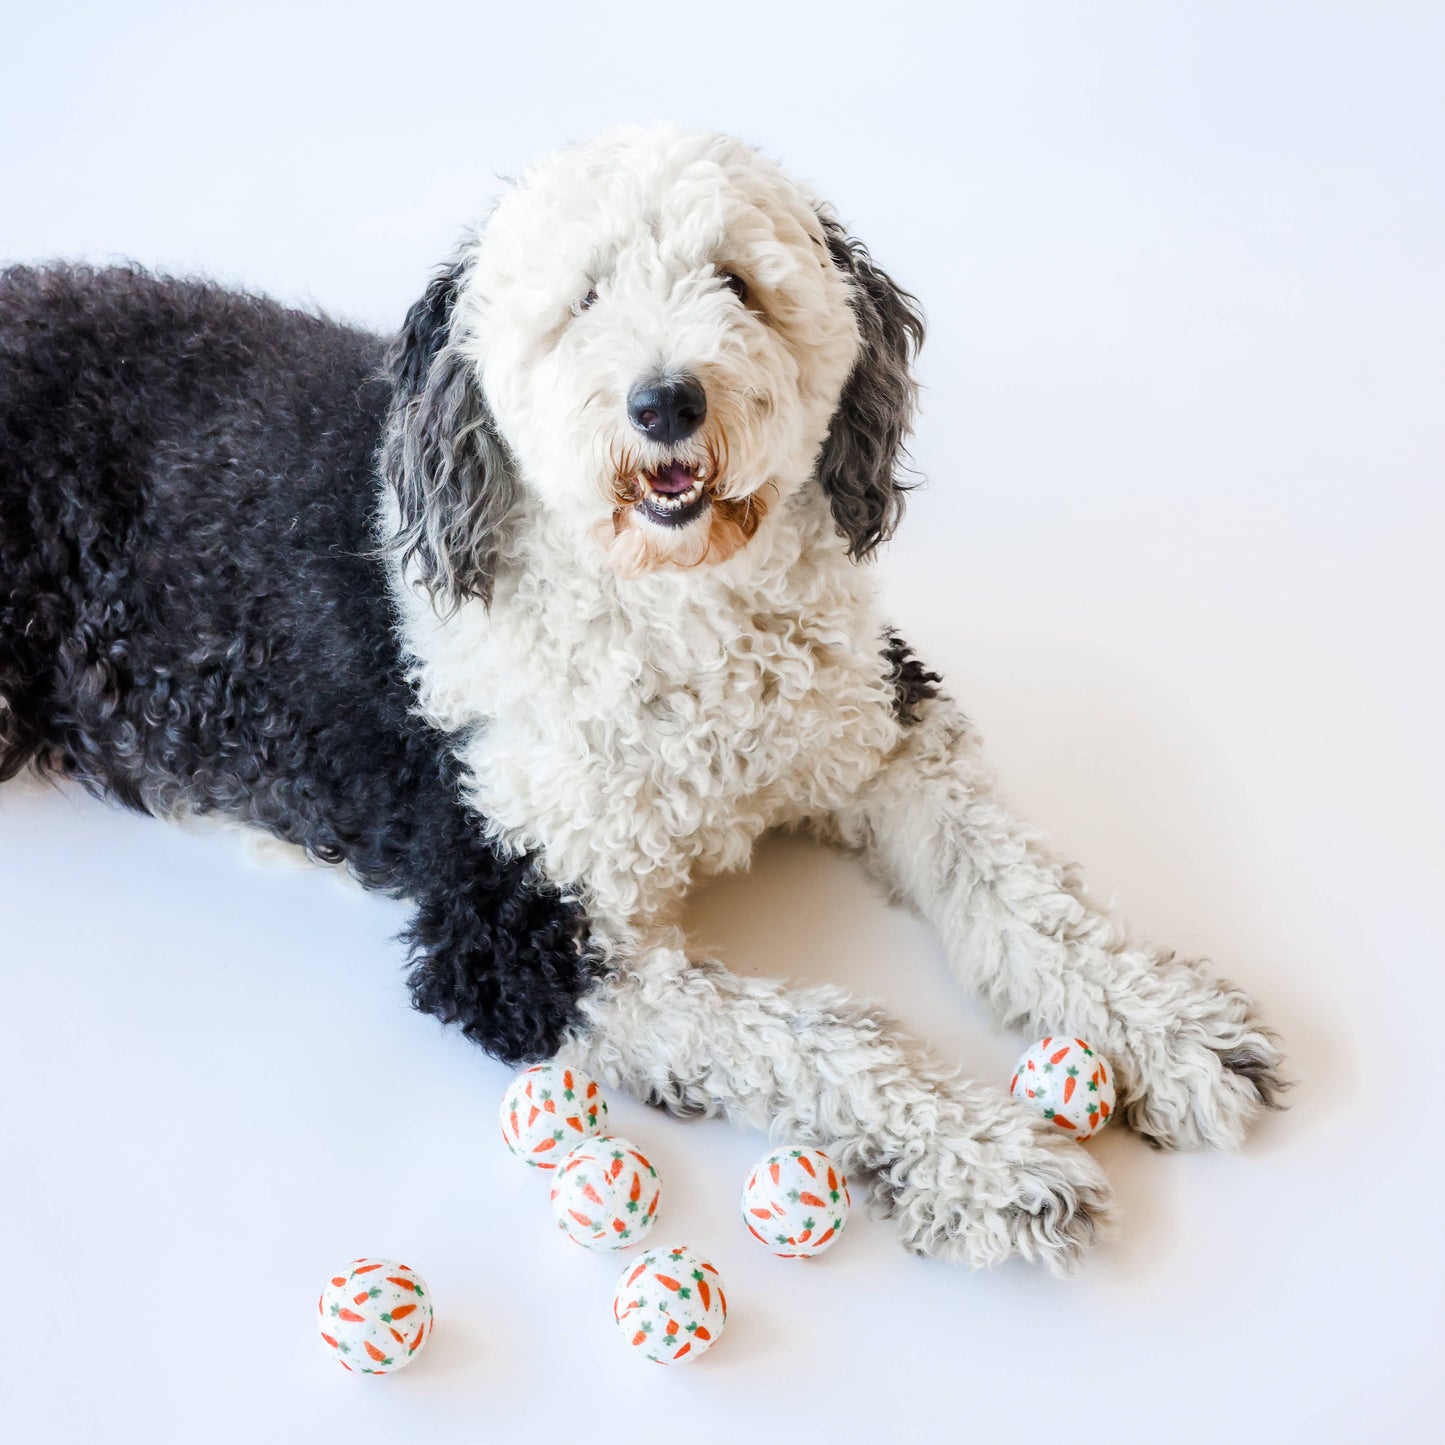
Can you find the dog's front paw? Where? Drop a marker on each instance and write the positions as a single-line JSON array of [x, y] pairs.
[[994, 1183], [1201, 1080]]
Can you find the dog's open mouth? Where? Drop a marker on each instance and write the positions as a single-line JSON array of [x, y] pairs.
[[673, 495]]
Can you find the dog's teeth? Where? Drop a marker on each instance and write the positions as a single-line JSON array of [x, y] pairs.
[[674, 502]]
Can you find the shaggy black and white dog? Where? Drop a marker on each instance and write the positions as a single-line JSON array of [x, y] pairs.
[[549, 606]]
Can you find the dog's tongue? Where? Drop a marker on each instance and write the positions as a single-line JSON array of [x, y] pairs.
[[670, 480]]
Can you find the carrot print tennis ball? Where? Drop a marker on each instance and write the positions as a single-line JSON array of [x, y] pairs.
[[670, 1306], [795, 1203], [605, 1194], [375, 1316], [1069, 1083], [547, 1109]]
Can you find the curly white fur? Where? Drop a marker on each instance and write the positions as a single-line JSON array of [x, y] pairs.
[[637, 721], [638, 734]]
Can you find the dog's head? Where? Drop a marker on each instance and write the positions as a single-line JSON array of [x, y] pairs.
[[662, 337]]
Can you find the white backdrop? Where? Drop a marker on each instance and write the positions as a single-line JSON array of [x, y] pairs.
[[1178, 555]]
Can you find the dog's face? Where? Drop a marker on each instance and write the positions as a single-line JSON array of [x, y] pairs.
[[662, 337]]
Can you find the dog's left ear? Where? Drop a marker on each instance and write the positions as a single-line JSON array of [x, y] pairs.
[[442, 456], [861, 459]]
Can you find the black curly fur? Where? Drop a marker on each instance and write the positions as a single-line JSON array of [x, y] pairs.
[[192, 617], [863, 455], [913, 684]]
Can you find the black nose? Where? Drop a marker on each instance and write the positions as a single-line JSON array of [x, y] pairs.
[[667, 411]]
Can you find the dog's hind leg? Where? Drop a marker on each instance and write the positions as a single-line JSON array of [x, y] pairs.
[[1192, 1059], [967, 1173]]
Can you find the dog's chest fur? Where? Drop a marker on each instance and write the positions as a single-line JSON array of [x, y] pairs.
[[640, 734]]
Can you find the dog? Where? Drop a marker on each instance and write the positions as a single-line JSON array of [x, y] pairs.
[[549, 606]]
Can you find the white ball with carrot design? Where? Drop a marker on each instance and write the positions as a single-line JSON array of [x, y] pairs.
[[376, 1316], [605, 1194], [795, 1203], [1069, 1083], [547, 1109], [670, 1306]]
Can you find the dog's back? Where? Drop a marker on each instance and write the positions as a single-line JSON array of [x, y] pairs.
[[194, 618], [186, 485]]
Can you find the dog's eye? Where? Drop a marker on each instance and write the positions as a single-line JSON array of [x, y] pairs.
[[736, 285]]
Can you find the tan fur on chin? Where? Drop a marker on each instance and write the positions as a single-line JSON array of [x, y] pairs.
[[633, 545]]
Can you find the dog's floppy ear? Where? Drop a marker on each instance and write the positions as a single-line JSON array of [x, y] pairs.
[[442, 456], [861, 459]]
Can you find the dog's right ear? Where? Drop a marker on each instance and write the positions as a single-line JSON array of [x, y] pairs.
[[441, 455]]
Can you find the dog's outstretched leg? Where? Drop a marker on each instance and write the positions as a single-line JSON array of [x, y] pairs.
[[967, 1173], [1192, 1059]]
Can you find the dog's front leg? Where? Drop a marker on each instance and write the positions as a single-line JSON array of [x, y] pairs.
[[968, 1173], [1191, 1058]]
